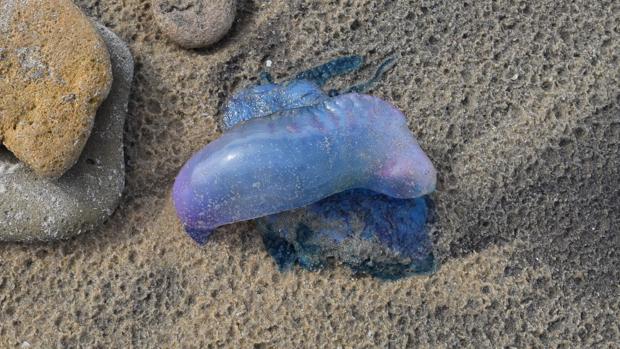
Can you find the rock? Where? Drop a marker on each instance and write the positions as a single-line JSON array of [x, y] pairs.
[[292, 144], [195, 23], [371, 233], [54, 73], [35, 208]]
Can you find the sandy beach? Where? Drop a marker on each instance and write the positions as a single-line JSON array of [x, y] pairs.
[[516, 103]]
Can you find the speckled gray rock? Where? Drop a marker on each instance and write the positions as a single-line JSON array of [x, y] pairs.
[[195, 23], [32, 208]]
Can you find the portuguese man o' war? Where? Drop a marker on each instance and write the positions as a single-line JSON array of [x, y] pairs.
[[291, 145]]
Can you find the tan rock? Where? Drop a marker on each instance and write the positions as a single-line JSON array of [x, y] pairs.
[[55, 71]]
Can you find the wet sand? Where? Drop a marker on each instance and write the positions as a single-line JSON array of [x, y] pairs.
[[518, 106]]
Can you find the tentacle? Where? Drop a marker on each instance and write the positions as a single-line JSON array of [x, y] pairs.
[[387, 64], [265, 78], [336, 67]]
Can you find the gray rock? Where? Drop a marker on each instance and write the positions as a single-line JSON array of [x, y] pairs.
[[33, 208], [195, 23]]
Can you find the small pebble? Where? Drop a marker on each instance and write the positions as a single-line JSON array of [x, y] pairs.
[[195, 23]]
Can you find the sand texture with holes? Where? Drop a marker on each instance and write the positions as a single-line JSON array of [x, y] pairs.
[[516, 102]]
